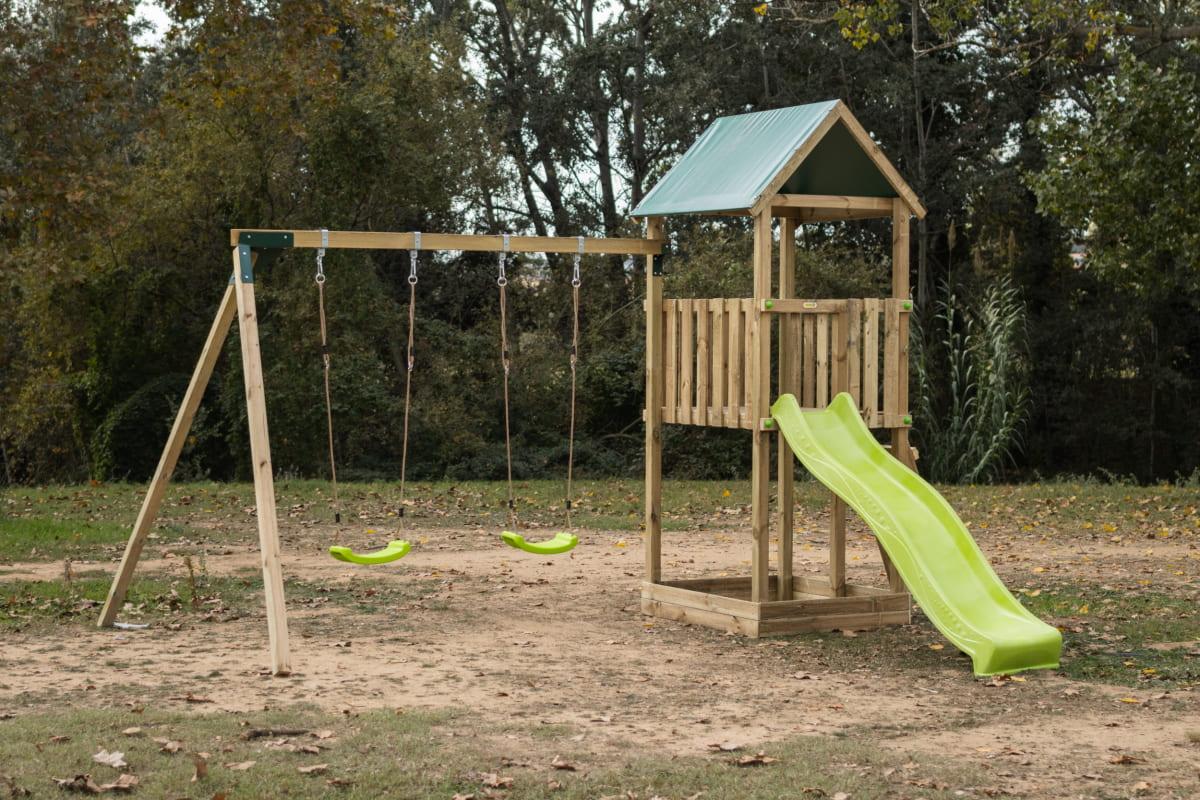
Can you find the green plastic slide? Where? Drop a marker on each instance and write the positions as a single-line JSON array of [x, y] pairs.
[[396, 549], [927, 542], [559, 543]]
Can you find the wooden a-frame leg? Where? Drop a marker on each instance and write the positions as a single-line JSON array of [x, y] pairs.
[[170, 457], [654, 405], [260, 452]]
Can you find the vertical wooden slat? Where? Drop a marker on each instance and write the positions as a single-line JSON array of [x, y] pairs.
[[785, 469], [703, 363], [687, 360], [717, 385], [838, 329], [822, 395], [751, 348], [808, 389], [854, 351], [760, 401], [151, 503], [870, 401], [736, 354], [670, 370], [891, 360], [652, 543]]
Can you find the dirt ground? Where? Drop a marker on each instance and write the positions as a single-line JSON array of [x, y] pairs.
[[525, 641]]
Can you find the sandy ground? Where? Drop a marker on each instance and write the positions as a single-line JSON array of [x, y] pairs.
[[524, 640]]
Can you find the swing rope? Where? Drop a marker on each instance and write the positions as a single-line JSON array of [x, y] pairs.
[[320, 280], [576, 282], [412, 306], [506, 361]]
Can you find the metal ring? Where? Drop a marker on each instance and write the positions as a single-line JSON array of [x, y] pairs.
[[576, 282], [412, 280], [502, 281], [320, 277]]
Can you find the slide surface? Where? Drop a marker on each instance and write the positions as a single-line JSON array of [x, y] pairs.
[[927, 542]]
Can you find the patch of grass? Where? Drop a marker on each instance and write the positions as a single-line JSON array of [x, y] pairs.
[[414, 755], [39, 539], [159, 598], [1116, 635]]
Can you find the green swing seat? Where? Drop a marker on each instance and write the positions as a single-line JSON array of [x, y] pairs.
[[395, 550], [560, 543]]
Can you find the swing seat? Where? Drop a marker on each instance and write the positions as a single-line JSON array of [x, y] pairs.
[[395, 550], [560, 543]]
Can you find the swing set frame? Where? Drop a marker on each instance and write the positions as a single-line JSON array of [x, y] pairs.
[[252, 250]]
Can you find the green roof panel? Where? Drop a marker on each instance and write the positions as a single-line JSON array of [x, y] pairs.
[[734, 160]]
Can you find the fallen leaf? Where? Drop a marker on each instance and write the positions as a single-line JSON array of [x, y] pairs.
[[132, 732], [323, 734], [313, 769], [168, 745], [725, 747], [341, 783], [1125, 758], [200, 760], [760, 759], [565, 766], [311, 749], [116, 760], [59, 739], [123, 783], [937, 646], [241, 766], [841, 796], [495, 781]]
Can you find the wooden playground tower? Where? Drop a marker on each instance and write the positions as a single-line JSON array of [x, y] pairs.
[[709, 361]]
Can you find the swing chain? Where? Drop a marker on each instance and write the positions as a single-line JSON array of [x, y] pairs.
[[412, 259], [320, 276], [576, 277]]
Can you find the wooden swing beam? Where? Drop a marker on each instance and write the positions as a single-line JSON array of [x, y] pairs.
[[238, 301]]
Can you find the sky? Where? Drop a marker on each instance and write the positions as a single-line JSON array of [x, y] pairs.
[[153, 13]]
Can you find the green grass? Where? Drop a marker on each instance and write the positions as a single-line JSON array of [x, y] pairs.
[[37, 539], [157, 598], [1109, 632], [420, 755]]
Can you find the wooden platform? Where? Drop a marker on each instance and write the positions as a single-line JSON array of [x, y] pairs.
[[724, 604]]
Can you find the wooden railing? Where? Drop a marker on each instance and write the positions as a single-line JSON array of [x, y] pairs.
[[825, 347]]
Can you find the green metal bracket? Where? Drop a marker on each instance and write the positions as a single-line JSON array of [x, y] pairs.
[[245, 264], [264, 240], [658, 264]]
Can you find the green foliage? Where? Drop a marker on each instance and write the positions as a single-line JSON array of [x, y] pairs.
[[972, 386]]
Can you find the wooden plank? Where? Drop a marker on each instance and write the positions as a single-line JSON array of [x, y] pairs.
[[799, 306], [735, 352], [671, 362], [380, 240], [820, 586], [808, 388], [805, 215], [729, 585], [694, 616], [837, 546], [870, 390], [832, 622], [822, 389], [838, 330], [152, 502], [891, 358], [854, 351], [785, 468], [858, 604], [832, 201], [704, 601], [264, 479], [687, 361], [703, 363], [760, 404], [718, 380], [652, 544], [747, 310]]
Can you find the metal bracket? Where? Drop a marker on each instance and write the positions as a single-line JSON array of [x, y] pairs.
[[264, 240], [657, 260], [246, 263]]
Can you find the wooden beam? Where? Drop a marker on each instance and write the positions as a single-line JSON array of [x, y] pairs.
[[379, 240], [152, 502], [808, 215], [795, 306], [785, 468], [882, 205], [260, 453], [654, 413], [760, 404]]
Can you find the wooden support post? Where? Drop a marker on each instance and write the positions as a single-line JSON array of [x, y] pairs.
[[170, 457], [654, 404], [901, 214], [760, 407], [837, 546], [785, 469], [260, 452]]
